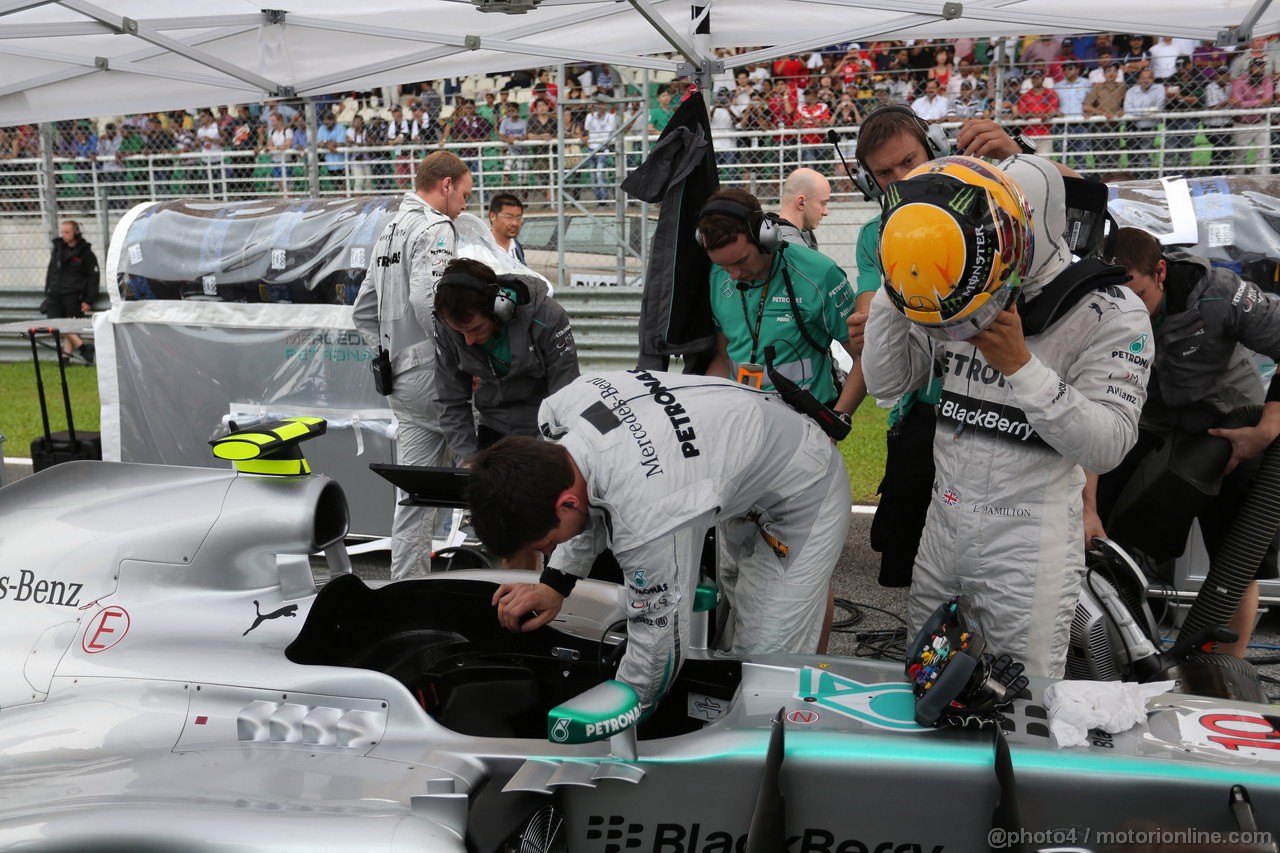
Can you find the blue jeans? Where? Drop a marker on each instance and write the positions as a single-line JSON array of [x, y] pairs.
[[599, 168], [812, 153], [1138, 141], [1077, 140], [1179, 140]]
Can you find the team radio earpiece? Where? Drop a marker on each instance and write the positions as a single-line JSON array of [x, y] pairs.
[[933, 136], [508, 293], [762, 228]]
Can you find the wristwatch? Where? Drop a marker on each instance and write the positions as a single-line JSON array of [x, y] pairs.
[[1024, 144]]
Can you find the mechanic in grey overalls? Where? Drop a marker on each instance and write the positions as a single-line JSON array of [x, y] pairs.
[[394, 309], [645, 463]]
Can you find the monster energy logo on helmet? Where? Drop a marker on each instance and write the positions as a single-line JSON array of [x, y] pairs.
[[961, 201], [893, 198]]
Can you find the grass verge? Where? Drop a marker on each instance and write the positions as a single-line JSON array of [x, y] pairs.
[[863, 450], [20, 405]]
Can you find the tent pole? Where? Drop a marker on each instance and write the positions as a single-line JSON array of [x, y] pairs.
[[313, 157], [103, 209], [561, 93], [1241, 35], [999, 81], [644, 147], [659, 23], [49, 197], [619, 171], [700, 25]]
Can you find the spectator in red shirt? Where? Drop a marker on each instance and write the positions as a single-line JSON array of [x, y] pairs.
[[851, 66], [550, 91], [1038, 102], [779, 98], [792, 71], [813, 115], [942, 68], [784, 118]]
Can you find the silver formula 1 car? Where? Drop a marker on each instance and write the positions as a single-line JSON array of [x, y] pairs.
[[170, 679]]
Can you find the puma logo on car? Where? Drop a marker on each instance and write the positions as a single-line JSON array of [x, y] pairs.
[[288, 610]]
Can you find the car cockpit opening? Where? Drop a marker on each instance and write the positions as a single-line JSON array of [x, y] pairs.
[[440, 639]]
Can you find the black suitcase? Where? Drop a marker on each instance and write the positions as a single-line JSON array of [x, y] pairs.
[[56, 447]]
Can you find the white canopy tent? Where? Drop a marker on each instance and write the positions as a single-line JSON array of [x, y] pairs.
[[65, 59]]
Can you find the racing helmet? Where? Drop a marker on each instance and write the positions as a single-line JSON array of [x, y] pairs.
[[956, 242]]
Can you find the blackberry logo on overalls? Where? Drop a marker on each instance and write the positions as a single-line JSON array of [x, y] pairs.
[[673, 410]]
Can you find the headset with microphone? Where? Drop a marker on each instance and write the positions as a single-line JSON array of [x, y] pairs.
[[763, 229], [934, 138], [508, 293]]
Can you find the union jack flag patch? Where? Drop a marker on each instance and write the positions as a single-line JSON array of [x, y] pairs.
[[950, 497]]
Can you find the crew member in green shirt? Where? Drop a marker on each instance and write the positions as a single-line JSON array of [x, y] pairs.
[[769, 293], [765, 293], [660, 114]]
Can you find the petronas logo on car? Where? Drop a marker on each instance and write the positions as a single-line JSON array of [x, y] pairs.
[[560, 731], [884, 705]]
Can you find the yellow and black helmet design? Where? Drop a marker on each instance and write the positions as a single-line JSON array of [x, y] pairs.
[[955, 245]]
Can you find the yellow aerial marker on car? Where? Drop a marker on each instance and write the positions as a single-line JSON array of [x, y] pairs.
[[272, 447]]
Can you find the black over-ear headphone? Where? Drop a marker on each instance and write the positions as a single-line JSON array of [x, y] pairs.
[[762, 228], [507, 293], [936, 144]]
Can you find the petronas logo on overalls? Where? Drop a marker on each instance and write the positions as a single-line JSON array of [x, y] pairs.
[[1139, 344]]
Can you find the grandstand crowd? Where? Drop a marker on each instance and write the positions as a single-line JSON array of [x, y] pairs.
[[1095, 100]]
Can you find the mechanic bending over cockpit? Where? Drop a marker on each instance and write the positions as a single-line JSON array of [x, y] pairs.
[[1203, 317], [1035, 386], [646, 463], [503, 345]]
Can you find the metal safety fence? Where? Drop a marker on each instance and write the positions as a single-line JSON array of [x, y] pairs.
[[579, 227], [1149, 145]]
